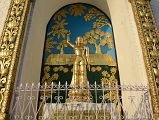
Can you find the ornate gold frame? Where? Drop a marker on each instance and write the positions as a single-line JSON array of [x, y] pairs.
[[148, 34], [10, 46], [12, 35]]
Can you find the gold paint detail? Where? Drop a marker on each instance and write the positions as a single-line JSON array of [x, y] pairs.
[[59, 29], [98, 38], [10, 44], [96, 69], [80, 91], [68, 115], [100, 22], [77, 10], [61, 14], [149, 38], [68, 59]]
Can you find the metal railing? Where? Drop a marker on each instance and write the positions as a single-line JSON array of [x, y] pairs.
[[48, 102]]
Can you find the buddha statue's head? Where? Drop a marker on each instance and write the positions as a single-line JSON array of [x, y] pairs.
[[79, 41]]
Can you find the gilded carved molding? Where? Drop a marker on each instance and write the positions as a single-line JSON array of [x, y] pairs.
[[10, 44], [149, 38]]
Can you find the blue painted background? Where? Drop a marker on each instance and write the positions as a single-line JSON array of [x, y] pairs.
[[78, 26], [73, 18]]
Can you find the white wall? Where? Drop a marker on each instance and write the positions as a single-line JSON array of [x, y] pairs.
[[4, 6]]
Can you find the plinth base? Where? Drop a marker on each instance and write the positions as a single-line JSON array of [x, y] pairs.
[[79, 95], [78, 111]]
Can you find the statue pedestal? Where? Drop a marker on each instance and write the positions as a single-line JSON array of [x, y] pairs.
[[79, 95], [77, 111]]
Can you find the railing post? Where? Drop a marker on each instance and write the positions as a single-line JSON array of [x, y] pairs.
[[148, 34], [10, 44]]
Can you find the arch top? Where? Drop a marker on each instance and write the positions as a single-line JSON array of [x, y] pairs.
[[80, 10], [83, 20], [54, 5], [63, 56]]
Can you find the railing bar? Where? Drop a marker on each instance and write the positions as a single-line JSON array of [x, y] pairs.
[[65, 100], [96, 99], [36, 106], [103, 98], [110, 93], [23, 109], [52, 88]]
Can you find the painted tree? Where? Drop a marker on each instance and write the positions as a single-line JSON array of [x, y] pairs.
[[50, 44], [98, 38], [60, 32], [100, 19], [61, 46]]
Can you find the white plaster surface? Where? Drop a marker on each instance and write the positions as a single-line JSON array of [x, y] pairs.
[[4, 6]]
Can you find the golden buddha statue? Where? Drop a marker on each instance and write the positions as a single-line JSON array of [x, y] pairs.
[[79, 85]]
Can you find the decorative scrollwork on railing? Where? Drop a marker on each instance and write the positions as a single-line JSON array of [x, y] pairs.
[[10, 44], [149, 37], [134, 106]]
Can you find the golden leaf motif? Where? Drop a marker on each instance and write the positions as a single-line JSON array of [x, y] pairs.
[[47, 69], [49, 45], [102, 33], [61, 68], [62, 45], [103, 42], [105, 81], [55, 76], [46, 74], [58, 47], [105, 73], [62, 13], [93, 69], [112, 95], [92, 13], [109, 40], [65, 70], [112, 78], [77, 10], [97, 31], [98, 68], [55, 69], [114, 82], [101, 21], [59, 29], [93, 36], [113, 70]]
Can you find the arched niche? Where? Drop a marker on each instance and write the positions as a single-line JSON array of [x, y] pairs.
[[95, 27], [128, 47]]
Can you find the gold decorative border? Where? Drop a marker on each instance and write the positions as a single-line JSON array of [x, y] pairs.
[[10, 44], [12, 35], [149, 39]]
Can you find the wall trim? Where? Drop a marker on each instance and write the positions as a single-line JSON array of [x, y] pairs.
[[147, 30], [10, 47]]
